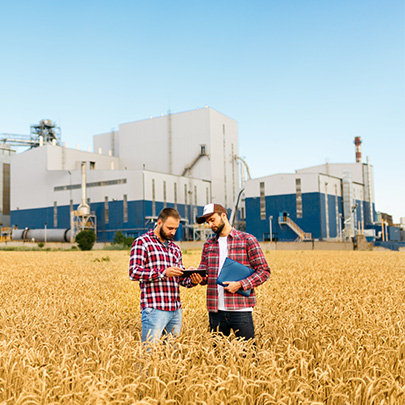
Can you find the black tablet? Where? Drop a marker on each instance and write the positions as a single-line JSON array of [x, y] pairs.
[[188, 273]]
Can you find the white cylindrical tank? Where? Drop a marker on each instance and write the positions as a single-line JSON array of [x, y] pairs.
[[42, 235]]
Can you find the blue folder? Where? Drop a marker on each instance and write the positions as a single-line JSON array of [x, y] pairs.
[[234, 271]]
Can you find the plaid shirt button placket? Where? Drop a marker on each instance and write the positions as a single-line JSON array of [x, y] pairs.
[[148, 261], [243, 248]]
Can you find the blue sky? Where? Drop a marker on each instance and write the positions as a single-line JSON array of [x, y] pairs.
[[302, 78]]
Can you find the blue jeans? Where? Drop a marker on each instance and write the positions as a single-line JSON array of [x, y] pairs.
[[240, 322], [156, 323]]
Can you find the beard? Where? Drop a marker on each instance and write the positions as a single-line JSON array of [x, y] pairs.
[[219, 228], [164, 235]]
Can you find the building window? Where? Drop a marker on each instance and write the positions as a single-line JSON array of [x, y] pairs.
[[106, 213], [207, 196], [71, 205], [185, 202], [55, 214], [92, 165], [175, 196], [262, 201], [125, 208], [327, 210], [195, 203], [336, 209], [6, 189], [95, 184], [298, 194], [153, 199], [164, 194]]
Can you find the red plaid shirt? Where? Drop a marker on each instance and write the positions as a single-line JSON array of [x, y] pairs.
[[243, 248], [147, 264]]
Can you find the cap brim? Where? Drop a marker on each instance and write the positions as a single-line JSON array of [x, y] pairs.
[[202, 219]]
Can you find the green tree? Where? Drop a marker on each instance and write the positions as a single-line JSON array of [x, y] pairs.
[[85, 239], [120, 239]]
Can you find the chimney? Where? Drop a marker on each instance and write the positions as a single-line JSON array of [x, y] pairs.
[[357, 142], [83, 208]]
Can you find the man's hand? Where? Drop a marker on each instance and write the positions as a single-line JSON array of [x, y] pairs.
[[173, 272], [195, 278], [232, 286]]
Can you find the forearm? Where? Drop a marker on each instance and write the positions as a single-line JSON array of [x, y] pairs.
[[139, 273], [256, 279]]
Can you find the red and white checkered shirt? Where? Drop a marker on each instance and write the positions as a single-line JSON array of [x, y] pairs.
[[147, 264], [242, 248]]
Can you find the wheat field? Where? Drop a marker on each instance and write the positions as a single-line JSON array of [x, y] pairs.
[[329, 326]]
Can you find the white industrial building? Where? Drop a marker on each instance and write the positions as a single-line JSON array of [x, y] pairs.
[[326, 202], [5, 156], [182, 160], [200, 144]]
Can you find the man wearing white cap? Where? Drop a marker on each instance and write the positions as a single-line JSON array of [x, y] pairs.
[[229, 310]]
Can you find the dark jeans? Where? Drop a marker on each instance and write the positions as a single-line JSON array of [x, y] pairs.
[[240, 322]]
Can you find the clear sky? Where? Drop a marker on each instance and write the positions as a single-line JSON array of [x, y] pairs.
[[301, 77]]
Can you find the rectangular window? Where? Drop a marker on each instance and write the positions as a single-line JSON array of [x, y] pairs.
[[175, 196], [207, 196], [298, 197], [153, 199], [94, 184], [106, 213], [195, 204], [262, 201], [55, 214], [164, 195], [125, 208], [6, 189], [185, 202], [336, 209], [92, 165]]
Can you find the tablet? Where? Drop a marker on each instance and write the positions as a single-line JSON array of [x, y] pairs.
[[188, 273]]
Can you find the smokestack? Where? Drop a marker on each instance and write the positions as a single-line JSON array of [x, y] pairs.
[[357, 142], [83, 208]]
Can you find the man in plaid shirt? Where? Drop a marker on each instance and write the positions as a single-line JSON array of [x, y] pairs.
[[156, 263], [229, 310]]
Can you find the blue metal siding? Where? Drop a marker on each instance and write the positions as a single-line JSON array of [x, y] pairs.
[[366, 208], [136, 225], [313, 209]]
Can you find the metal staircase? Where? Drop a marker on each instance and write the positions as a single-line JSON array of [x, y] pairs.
[[285, 220]]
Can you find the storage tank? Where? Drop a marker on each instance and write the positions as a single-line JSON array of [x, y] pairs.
[[42, 235]]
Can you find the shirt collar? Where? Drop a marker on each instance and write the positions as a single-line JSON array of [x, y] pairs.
[[232, 234], [153, 235]]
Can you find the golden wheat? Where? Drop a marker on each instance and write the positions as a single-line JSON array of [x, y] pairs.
[[329, 326]]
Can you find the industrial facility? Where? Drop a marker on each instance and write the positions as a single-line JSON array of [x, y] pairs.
[[327, 202], [183, 160]]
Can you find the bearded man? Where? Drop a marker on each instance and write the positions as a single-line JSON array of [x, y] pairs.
[[227, 309], [156, 262]]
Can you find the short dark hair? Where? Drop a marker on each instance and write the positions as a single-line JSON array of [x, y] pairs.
[[168, 212]]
